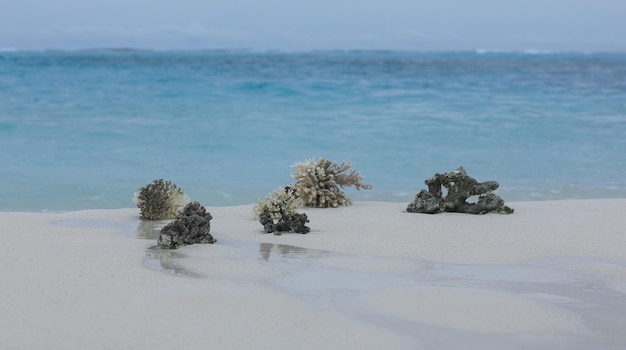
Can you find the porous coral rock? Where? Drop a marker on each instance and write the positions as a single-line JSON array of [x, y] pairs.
[[277, 213], [191, 226], [319, 182], [160, 200], [293, 222], [460, 187]]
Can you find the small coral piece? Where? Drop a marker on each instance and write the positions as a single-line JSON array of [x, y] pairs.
[[277, 213], [319, 182], [160, 200], [295, 222], [278, 203], [460, 186], [191, 226]]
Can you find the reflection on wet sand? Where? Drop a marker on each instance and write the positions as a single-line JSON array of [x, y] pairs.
[[366, 287], [162, 259], [150, 229], [157, 258], [269, 250]]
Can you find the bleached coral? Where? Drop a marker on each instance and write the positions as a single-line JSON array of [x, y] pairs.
[[319, 182], [160, 200], [277, 203], [277, 212]]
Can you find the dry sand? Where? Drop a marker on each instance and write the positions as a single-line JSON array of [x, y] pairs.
[[369, 276]]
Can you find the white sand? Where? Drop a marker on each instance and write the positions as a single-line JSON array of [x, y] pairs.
[[369, 276]]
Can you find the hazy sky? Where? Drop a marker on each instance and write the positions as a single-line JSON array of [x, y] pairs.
[[551, 25]]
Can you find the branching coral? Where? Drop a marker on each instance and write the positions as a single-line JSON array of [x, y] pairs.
[[191, 226], [160, 200], [277, 212], [319, 182]]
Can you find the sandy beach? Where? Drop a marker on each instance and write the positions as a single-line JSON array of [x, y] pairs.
[[368, 276]]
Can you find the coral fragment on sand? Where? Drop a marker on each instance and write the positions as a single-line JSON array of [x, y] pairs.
[[319, 182], [191, 226], [277, 213], [160, 200], [459, 188]]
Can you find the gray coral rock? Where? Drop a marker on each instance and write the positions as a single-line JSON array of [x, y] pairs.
[[459, 188], [290, 222], [277, 213], [191, 226]]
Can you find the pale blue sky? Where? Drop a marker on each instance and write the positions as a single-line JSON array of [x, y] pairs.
[[545, 25]]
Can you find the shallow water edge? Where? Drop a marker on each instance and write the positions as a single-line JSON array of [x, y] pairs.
[[439, 303]]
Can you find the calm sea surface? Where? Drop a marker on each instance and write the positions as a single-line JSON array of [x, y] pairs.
[[86, 129]]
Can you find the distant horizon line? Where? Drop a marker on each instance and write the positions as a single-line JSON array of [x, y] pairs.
[[282, 50]]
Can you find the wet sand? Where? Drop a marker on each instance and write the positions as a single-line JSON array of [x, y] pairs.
[[370, 276]]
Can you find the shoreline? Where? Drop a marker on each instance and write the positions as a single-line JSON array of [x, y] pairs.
[[552, 274], [390, 218], [14, 203]]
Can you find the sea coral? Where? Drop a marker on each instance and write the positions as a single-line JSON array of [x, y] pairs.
[[191, 226], [319, 182], [277, 212], [459, 188], [160, 200]]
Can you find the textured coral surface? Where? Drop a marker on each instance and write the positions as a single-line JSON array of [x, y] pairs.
[[277, 213], [459, 187], [319, 182], [191, 226], [160, 200]]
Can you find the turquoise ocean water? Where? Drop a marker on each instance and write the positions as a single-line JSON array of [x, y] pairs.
[[86, 129]]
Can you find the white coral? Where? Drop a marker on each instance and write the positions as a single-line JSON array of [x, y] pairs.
[[278, 203], [319, 181]]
